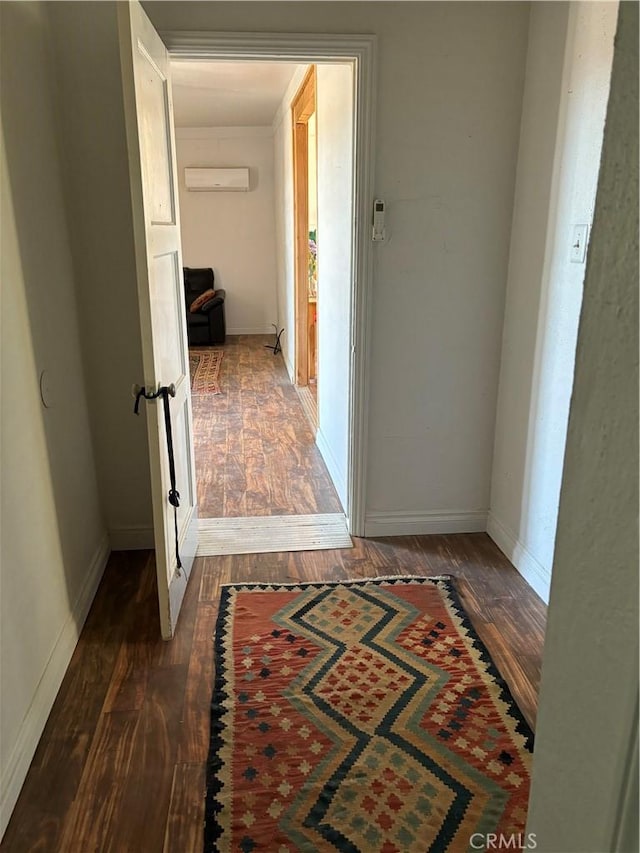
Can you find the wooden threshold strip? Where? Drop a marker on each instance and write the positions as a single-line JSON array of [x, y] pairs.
[[273, 533]]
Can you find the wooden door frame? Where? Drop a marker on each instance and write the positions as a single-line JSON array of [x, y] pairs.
[[303, 107], [360, 51]]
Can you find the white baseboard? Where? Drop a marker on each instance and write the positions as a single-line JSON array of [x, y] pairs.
[[335, 473], [251, 330], [416, 523], [38, 712], [131, 538], [536, 575]]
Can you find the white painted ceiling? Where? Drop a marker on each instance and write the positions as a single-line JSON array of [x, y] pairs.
[[228, 94]]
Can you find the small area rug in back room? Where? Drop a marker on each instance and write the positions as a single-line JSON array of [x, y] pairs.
[[204, 367]]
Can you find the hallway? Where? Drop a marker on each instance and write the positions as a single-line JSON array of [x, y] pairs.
[[254, 449]]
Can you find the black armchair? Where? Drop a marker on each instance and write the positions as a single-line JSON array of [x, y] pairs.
[[206, 325]]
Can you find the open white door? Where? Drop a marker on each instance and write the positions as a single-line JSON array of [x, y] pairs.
[[154, 194]]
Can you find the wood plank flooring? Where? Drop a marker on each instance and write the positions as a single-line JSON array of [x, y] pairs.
[[120, 766], [255, 450], [121, 763]]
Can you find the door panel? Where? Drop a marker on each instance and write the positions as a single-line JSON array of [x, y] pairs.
[[167, 292], [154, 118], [150, 139]]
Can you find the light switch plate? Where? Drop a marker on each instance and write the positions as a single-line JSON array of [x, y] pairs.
[[579, 244]]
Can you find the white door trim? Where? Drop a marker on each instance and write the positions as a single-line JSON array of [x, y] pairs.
[[317, 48]]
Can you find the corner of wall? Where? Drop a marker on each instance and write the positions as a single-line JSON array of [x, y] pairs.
[[288, 365], [335, 471], [536, 575], [131, 538], [285, 103]]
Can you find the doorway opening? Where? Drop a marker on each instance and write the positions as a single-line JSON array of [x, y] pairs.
[[263, 447]]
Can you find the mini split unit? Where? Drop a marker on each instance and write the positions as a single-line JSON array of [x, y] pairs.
[[216, 180]]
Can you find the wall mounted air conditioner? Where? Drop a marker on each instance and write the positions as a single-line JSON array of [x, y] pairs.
[[220, 180]]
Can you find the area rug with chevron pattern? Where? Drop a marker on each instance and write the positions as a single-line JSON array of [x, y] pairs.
[[359, 716]]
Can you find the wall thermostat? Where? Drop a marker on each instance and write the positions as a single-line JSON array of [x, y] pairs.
[[378, 221]]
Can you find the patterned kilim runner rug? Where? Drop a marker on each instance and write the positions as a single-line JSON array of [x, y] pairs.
[[360, 716], [204, 367]]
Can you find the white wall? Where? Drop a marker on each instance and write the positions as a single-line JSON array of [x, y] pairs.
[[567, 83], [96, 182], [586, 735], [233, 232], [53, 539], [450, 89], [334, 95], [283, 200]]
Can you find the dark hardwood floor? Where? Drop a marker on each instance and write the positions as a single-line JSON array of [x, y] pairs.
[[255, 451], [120, 766]]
